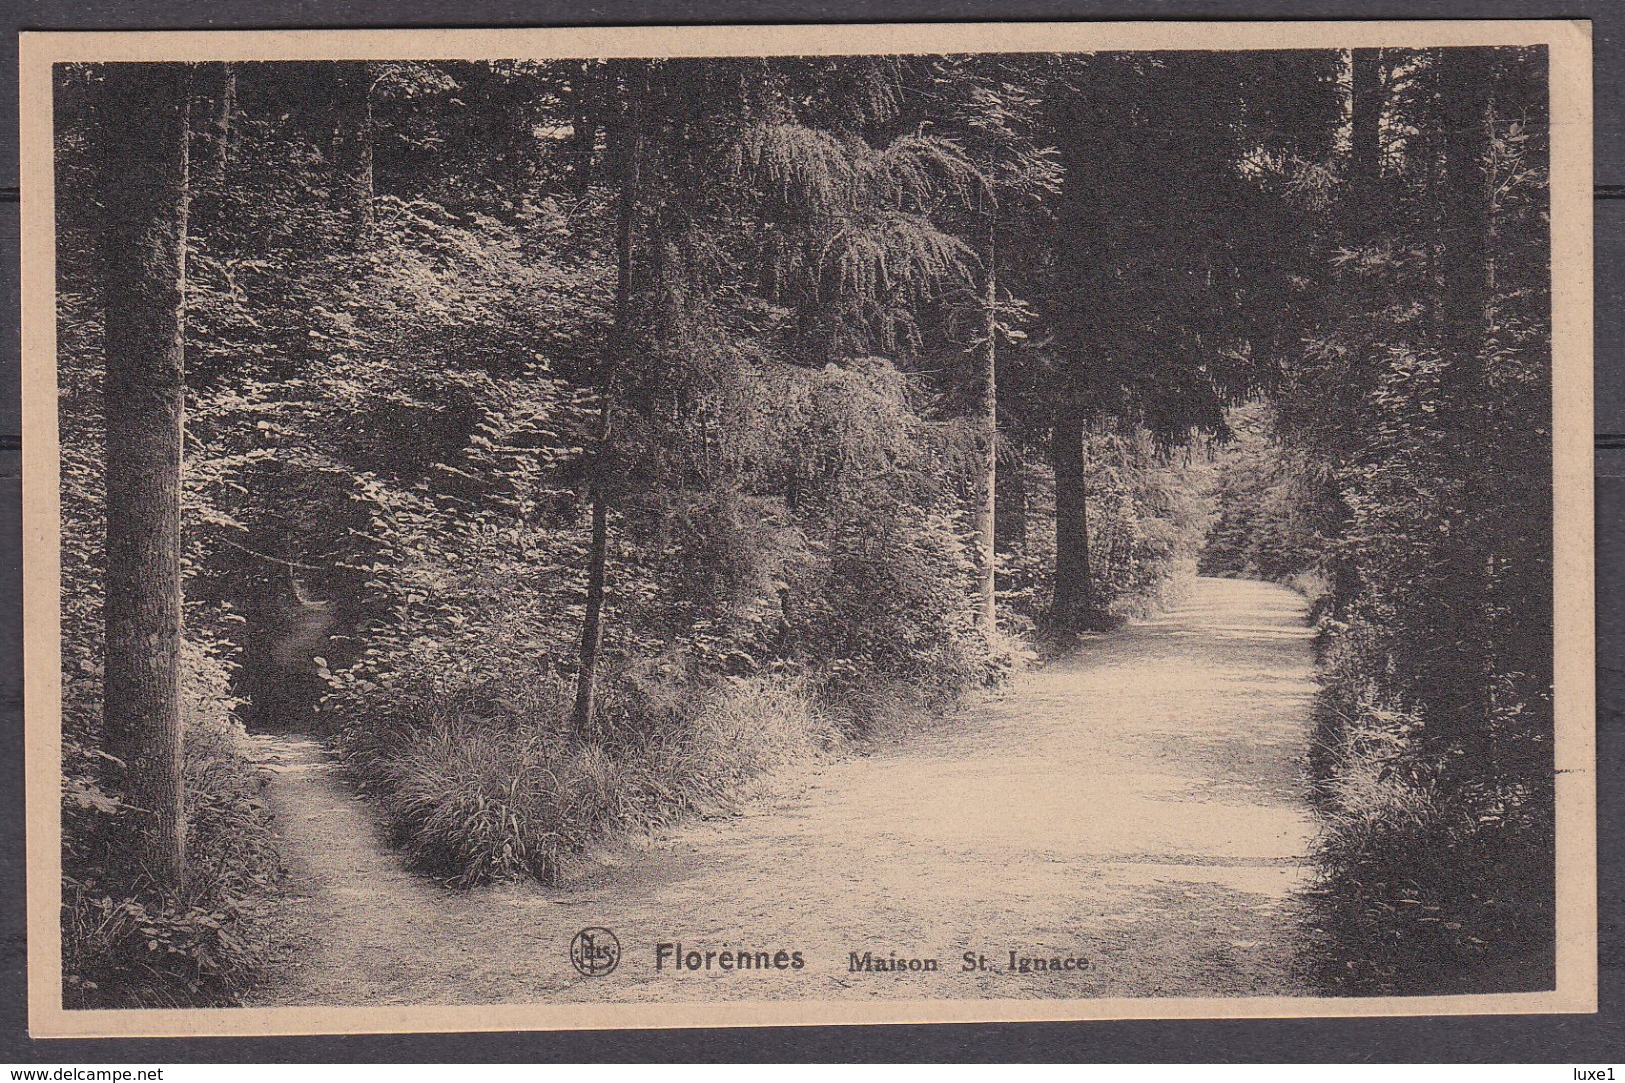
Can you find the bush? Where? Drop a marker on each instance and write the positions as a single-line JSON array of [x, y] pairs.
[[127, 942], [890, 608], [488, 783], [1436, 876], [1426, 887]]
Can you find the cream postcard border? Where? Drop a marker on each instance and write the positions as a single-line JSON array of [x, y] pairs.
[[1569, 43]]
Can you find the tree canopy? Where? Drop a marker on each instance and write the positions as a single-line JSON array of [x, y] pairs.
[[535, 408]]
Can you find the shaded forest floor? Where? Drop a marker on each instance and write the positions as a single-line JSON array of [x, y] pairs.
[[1140, 803]]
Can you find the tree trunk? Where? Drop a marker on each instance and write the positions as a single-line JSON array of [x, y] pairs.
[[356, 153], [1365, 135], [1465, 198], [1465, 313], [143, 243], [1074, 607], [1010, 522], [592, 627], [1367, 211], [224, 118], [988, 472], [584, 128]]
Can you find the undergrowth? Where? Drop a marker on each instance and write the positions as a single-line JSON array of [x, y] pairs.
[[488, 783], [127, 942], [1432, 880]]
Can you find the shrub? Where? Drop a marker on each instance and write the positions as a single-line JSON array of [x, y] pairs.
[[488, 783], [1426, 892], [1436, 876], [128, 942], [890, 607]]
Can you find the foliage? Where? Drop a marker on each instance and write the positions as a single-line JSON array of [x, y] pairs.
[[771, 516], [1432, 472], [412, 376], [1149, 512], [131, 942], [1266, 500], [488, 782]]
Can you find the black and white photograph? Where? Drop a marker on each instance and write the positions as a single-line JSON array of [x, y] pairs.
[[675, 528]]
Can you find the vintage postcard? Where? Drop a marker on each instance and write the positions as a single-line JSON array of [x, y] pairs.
[[667, 527]]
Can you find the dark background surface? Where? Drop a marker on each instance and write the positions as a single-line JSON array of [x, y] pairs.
[[1598, 1039]]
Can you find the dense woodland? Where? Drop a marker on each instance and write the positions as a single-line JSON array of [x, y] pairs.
[[571, 441]]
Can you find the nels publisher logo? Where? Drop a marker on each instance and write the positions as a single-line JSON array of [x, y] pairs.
[[595, 952]]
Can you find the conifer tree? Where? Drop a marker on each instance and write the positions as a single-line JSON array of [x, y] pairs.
[[144, 134]]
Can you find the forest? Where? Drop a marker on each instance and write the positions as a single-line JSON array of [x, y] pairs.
[[568, 443]]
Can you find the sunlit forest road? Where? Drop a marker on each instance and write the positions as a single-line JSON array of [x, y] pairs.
[[1140, 805]]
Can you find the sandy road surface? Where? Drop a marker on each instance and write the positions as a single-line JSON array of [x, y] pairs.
[[1140, 804]]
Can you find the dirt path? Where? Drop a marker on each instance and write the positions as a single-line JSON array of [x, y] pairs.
[[1139, 805]]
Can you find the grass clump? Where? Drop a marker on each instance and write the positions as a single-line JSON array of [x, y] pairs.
[[488, 783]]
